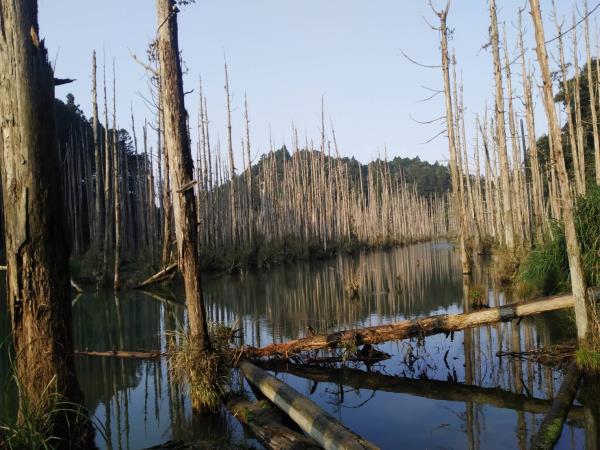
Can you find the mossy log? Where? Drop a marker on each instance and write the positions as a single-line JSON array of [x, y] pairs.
[[445, 323], [325, 429], [431, 389], [552, 425], [267, 425]]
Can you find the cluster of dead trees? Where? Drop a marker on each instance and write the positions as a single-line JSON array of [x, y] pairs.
[[517, 188]]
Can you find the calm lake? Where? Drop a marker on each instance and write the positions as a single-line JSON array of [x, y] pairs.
[[441, 392]]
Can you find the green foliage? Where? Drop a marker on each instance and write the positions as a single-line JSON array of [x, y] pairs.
[[588, 360], [545, 270], [428, 178]]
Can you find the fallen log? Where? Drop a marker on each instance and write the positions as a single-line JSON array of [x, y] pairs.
[[445, 323], [325, 429], [121, 354], [431, 389], [552, 425], [162, 275], [266, 424]]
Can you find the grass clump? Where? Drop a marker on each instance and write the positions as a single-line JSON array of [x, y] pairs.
[[49, 422], [588, 360], [545, 271], [205, 373]]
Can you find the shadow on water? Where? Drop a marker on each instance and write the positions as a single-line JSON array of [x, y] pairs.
[[437, 392]]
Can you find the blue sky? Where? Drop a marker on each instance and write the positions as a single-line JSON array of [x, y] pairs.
[[285, 55]]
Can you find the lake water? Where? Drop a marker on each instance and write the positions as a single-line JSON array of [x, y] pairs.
[[441, 392]]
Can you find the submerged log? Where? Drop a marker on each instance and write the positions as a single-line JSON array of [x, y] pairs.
[[160, 276], [267, 425], [552, 425], [431, 389], [121, 354], [445, 323], [325, 429]]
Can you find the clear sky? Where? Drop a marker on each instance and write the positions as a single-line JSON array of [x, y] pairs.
[[285, 55]]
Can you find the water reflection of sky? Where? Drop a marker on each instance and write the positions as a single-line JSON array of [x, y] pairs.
[[138, 406]]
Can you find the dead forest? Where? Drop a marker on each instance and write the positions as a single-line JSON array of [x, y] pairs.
[[90, 204]]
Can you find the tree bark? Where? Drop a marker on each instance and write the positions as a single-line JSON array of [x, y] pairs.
[[181, 170], [36, 243]]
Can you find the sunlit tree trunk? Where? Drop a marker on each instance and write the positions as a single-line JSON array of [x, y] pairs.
[[578, 284], [181, 170], [454, 171], [507, 208]]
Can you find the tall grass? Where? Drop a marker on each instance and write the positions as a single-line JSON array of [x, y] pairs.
[[47, 422], [40, 420], [545, 271]]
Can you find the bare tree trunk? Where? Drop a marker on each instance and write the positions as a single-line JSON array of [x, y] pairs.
[[99, 219], [578, 283], [116, 187], [232, 181], [454, 172], [509, 235], [181, 170], [36, 244]]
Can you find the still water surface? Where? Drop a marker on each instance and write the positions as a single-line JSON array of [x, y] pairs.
[[442, 392]]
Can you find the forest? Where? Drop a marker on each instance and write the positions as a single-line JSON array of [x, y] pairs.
[[170, 283]]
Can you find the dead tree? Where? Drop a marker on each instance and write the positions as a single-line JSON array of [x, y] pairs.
[[37, 250], [99, 216], [454, 170], [181, 170], [509, 235], [578, 284]]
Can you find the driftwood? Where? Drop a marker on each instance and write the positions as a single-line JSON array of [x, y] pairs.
[[446, 323], [267, 425], [121, 354], [160, 276], [551, 427], [431, 389], [325, 429]]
